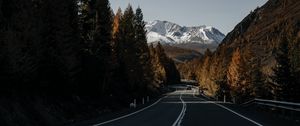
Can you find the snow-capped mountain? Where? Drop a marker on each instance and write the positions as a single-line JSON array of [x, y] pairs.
[[170, 33]]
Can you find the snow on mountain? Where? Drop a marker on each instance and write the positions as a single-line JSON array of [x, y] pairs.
[[170, 33]]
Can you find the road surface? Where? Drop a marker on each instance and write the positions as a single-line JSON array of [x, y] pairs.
[[183, 108]]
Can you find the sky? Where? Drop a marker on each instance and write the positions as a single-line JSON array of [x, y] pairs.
[[221, 14]]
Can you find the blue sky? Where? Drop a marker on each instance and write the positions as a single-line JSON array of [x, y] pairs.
[[222, 14]]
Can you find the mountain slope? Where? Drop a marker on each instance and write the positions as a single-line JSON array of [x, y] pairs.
[[180, 55], [256, 37]]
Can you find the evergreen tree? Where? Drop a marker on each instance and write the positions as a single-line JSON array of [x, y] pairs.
[[87, 21], [172, 75], [102, 41], [283, 80], [143, 52], [59, 50], [294, 52], [96, 25], [19, 37], [257, 85], [127, 50], [2, 52], [223, 89]]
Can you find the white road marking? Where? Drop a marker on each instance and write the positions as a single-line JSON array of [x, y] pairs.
[[182, 113], [195, 102], [112, 120], [240, 115], [256, 123]]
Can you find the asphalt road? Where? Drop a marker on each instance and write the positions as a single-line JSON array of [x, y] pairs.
[[183, 108]]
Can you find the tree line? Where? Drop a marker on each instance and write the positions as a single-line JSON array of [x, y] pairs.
[[79, 47], [241, 74]]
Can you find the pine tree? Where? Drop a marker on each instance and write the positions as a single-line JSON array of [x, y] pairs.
[[252, 76], [283, 80], [223, 89], [256, 85], [294, 53], [19, 38], [89, 74], [102, 41], [143, 52], [2, 52], [172, 75], [60, 46], [96, 26], [127, 52], [87, 21]]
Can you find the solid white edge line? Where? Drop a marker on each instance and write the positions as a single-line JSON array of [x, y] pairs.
[[239, 114], [244, 117], [112, 120]]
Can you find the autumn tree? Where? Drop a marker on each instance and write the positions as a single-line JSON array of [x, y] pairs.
[[238, 76], [158, 69], [116, 23], [172, 75], [203, 69]]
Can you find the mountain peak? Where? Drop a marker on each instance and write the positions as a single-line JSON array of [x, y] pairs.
[[171, 33]]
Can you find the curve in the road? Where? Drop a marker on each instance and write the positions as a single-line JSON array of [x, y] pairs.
[[181, 115], [112, 120]]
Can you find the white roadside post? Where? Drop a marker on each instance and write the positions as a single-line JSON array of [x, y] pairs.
[[143, 101], [147, 98], [224, 96], [134, 102]]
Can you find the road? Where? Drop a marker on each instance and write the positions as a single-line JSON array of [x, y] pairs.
[[183, 108]]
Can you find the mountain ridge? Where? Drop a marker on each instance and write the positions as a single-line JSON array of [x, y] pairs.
[[167, 32]]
